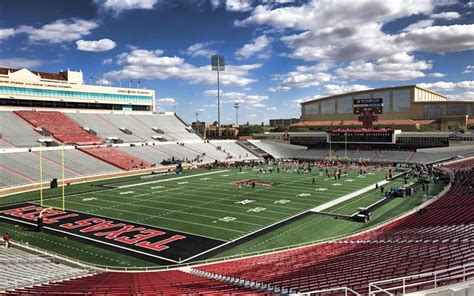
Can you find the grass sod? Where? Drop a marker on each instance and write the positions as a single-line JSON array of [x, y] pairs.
[[84, 187], [351, 206], [201, 202], [208, 205], [320, 227]]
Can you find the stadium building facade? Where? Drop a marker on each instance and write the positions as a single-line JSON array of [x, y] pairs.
[[66, 89], [404, 107]]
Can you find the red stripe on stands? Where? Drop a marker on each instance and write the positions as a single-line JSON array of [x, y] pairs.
[[12, 172], [112, 124], [59, 164]]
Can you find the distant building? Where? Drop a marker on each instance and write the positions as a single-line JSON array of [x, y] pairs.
[[283, 121], [404, 107], [209, 131], [66, 89]]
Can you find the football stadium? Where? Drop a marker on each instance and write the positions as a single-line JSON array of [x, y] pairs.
[[105, 192]]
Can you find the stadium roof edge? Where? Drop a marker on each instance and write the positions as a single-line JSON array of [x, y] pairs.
[[372, 89]]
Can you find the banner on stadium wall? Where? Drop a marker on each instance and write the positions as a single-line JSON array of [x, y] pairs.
[[160, 243]]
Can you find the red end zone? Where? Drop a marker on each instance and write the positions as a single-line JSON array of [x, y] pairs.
[[249, 182], [145, 240]]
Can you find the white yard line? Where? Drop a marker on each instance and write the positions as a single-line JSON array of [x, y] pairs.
[[172, 179], [344, 198]]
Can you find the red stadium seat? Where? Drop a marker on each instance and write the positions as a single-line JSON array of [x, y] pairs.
[[60, 127], [117, 157]]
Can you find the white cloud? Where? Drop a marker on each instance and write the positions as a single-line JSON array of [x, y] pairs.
[[400, 66], [166, 101], [63, 30], [449, 85], [468, 69], [334, 89], [95, 45], [297, 102], [120, 5], [246, 100], [6, 33], [303, 77], [107, 61], [256, 46], [436, 75], [449, 15], [419, 25], [238, 5], [272, 109], [351, 32], [233, 5], [104, 81], [151, 64], [463, 96], [20, 63], [212, 92], [438, 39], [200, 49]]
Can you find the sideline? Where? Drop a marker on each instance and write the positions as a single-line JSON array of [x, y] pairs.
[[344, 198], [171, 179]]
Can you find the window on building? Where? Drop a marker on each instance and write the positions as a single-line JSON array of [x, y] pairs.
[[344, 105], [432, 111], [311, 109], [385, 95], [328, 106], [401, 100], [456, 109]]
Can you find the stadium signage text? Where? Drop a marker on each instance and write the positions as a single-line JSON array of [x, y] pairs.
[[163, 244]]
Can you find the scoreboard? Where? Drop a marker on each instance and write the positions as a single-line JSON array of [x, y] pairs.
[[375, 136], [371, 105]]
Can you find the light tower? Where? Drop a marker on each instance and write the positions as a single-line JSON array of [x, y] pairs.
[[236, 107], [218, 64], [197, 116]]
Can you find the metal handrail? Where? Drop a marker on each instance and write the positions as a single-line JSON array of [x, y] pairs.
[[435, 281], [345, 289]]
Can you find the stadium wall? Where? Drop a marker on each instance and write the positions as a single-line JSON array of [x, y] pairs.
[[402, 104]]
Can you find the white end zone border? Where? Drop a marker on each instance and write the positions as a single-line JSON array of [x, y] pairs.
[[344, 198], [171, 179]]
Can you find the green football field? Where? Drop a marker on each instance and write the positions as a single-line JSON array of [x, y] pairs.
[[206, 203]]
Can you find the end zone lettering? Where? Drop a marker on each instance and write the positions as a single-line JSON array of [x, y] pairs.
[[142, 239]]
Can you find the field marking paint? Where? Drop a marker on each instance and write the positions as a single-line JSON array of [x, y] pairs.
[[94, 240], [150, 225], [172, 179], [303, 194], [280, 221], [244, 202], [346, 197]]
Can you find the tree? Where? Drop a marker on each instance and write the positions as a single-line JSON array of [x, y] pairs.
[[299, 129], [280, 129], [462, 128], [250, 129]]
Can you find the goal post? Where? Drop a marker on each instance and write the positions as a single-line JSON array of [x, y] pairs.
[[44, 202]]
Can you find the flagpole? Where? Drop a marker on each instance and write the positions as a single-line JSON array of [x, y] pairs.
[[41, 173], [62, 172]]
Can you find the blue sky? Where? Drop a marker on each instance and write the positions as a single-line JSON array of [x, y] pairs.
[[278, 52]]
